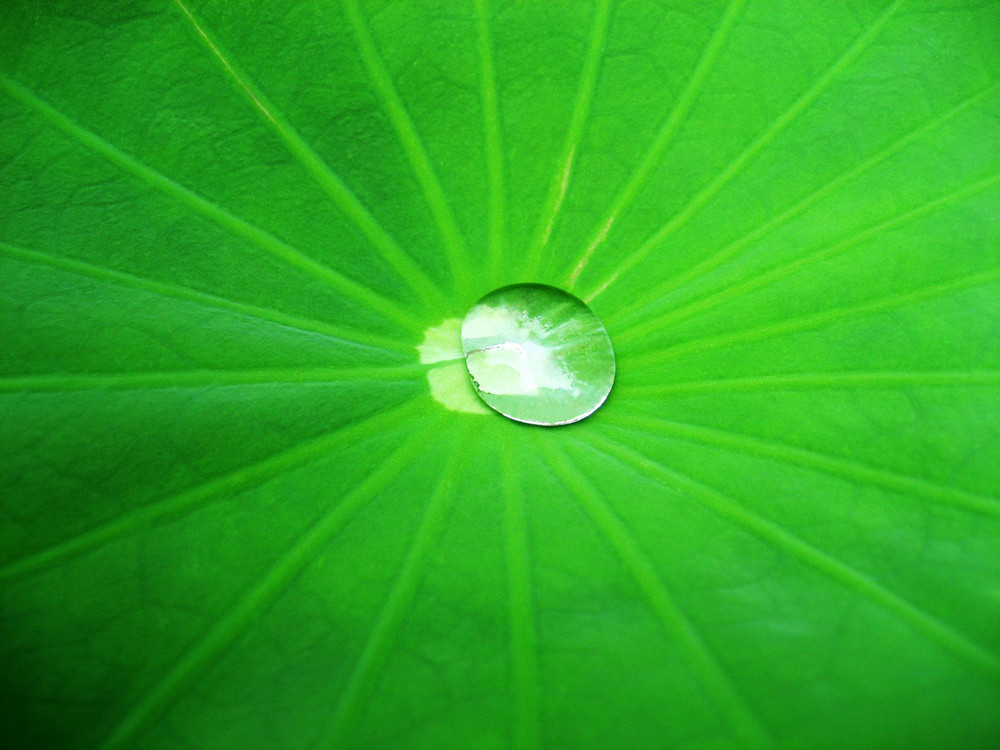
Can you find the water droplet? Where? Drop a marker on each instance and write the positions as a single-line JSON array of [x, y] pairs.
[[538, 354]]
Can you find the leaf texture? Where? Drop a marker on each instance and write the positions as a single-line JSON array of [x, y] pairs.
[[233, 513]]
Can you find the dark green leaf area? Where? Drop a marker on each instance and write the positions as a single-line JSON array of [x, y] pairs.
[[139, 593], [181, 443], [733, 584]]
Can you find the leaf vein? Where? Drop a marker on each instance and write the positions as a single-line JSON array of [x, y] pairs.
[[521, 616], [574, 133], [845, 468], [390, 619], [820, 319], [230, 222], [665, 137], [719, 258], [493, 143], [204, 299], [234, 622], [320, 171], [406, 132], [846, 59], [195, 497], [732, 510], [147, 380], [783, 271], [823, 380], [654, 591]]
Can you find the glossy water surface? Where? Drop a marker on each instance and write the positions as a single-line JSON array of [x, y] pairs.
[[537, 354]]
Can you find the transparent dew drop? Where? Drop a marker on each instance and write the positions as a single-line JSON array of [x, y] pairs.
[[538, 354]]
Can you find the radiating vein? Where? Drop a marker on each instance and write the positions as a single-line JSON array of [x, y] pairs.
[[813, 381], [319, 170], [521, 620], [727, 507], [735, 167], [196, 497], [247, 610], [130, 381], [240, 227], [578, 121], [387, 625], [494, 143], [778, 273], [455, 245], [203, 299], [665, 137], [816, 320], [737, 713], [656, 294], [849, 469]]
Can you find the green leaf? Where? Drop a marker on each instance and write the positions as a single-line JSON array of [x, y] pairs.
[[241, 508]]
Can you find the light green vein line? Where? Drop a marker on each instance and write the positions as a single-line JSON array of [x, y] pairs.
[[203, 299], [656, 294], [578, 121], [729, 508], [523, 640], [402, 593], [817, 320], [849, 56], [844, 468], [783, 271], [195, 497], [664, 138], [247, 610], [455, 245], [494, 144], [737, 713], [320, 171], [810, 381], [204, 378], [200, 205]]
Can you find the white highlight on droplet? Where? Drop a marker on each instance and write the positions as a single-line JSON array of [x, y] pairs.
[[518, 366]]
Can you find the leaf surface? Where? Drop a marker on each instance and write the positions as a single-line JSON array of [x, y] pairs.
[[234, 515]]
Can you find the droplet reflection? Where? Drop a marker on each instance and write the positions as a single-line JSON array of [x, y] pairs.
[[538, 354]]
